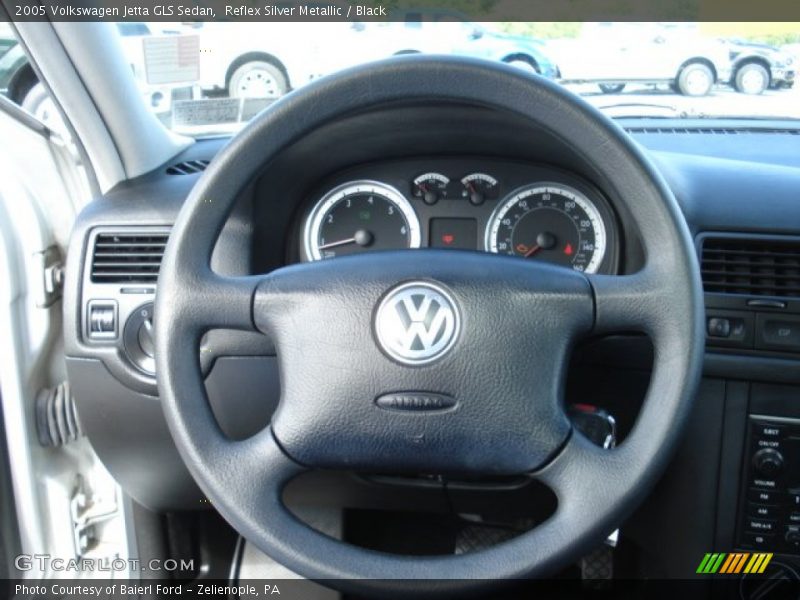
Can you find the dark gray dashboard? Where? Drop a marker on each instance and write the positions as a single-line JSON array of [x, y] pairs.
[[722, 187]]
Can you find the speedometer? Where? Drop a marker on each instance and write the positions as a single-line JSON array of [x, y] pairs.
[[360, 216], [551, 222]]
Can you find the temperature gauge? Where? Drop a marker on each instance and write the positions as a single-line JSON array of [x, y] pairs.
[[430, 187], [478, 187]]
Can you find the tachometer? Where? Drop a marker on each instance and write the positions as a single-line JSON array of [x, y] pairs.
[[552, 222], [360, 216]]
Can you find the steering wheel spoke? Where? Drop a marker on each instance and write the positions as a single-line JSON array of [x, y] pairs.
[[260, 455], [627, 303], [584, 478], [219, 302], [580, 464]]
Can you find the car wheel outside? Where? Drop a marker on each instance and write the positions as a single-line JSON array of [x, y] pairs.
[[695, 79], [258, 79], [751, 79], [611, 88], [523, 64]]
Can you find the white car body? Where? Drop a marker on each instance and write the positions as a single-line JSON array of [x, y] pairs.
[[294, 47], [792, 50], [306, 51], [636, 52], [432, 31], [363, 42]]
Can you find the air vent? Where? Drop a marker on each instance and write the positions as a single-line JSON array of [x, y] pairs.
[[751, 266], [188, 167], [714, 130], [129, 257]]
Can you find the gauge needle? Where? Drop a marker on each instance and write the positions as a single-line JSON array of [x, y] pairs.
[[544, 241], [532, 251], [351, 240], [362, 238]]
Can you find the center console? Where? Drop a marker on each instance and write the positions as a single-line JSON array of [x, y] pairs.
[[769, 515]]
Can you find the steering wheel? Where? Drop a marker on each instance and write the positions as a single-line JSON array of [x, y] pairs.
[[347, 370]]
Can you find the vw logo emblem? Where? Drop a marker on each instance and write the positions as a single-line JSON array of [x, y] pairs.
[[417, 323]]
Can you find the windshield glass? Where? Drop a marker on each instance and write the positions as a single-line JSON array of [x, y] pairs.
[[211, 77]]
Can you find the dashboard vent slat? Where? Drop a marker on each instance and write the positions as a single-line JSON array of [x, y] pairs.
[[694, 130], [127, 257], [126, 244], [751, 266], [188, 167]]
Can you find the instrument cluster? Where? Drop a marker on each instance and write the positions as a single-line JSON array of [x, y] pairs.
[[532, 212]]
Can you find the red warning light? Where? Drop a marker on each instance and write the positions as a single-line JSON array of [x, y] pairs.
[[448, 238], [568, 250]]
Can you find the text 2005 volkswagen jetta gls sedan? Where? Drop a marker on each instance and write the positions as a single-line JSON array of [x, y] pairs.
[[422, 325]]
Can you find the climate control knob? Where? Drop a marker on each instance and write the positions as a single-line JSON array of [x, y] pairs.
[[768, 461]]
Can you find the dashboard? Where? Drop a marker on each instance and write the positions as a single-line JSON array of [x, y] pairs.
[[453, 185], [529, 211]]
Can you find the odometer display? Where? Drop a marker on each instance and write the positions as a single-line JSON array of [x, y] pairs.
[[360, 216], [550, 222]]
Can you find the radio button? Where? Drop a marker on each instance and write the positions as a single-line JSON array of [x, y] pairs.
[[759, 541], [760, 511], [768, 484], [773, 443], [764, 496], [760, 526], [792, 537], [767, 431]]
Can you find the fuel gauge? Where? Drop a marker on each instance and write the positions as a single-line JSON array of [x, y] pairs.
[[478, 187], [430, 187]]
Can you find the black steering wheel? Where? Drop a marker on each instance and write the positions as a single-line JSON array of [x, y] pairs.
[[346, 367]]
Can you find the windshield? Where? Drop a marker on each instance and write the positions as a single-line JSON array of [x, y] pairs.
[[211, 77]]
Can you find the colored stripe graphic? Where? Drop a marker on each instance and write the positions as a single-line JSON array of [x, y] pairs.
[[717, 563], [754, 563], [738, 565], [703, 563], [734, 563], [758, 563], [711, 563], [729, 563], [742, 562]]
